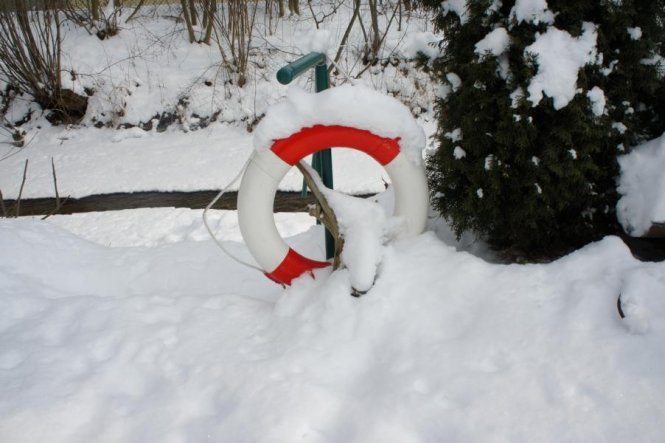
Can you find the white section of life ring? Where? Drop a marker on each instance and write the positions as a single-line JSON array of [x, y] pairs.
[[411, 194], [255, 202], [259, 186]]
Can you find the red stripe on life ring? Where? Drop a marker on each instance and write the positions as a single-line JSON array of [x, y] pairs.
[[310, 140], [294, 265]]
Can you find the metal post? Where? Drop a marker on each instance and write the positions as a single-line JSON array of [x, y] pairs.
[[322, 160], [289, 72]]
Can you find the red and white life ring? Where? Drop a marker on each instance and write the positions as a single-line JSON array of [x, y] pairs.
[[268, 166]]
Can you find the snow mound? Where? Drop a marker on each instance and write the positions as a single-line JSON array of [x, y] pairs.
[[177, 343], [364, 227], [316, 40], [357, 106], [641, 185], [643, 300]]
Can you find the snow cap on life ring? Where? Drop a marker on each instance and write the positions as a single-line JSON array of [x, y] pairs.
[[316, 122], [355, 106]]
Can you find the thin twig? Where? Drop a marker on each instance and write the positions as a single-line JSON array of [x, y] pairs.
[[136, 9], [55, 184], [347, 32], [20, 192], [2, 205], [58, 205], [13, 151], [57, 208], [316, 21]]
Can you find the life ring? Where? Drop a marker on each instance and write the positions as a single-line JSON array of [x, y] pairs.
[[267, 167]]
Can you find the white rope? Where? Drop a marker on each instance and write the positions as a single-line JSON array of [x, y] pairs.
[[211, 204]]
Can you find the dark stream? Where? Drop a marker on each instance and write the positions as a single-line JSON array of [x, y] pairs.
[[284, 202]]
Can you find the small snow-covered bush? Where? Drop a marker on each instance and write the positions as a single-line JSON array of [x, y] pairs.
[[97, 17], [538, 99], [30, 58]]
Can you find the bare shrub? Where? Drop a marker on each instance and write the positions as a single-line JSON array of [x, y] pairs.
[[30, 58], [195, 12], [97, 18], [234, 29], [381, 16]]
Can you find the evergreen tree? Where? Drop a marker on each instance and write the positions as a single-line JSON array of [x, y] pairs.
[[538, 100]]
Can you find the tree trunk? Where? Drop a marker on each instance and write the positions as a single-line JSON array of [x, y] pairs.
[[356, 9], [94, 9], [375, 37], [188, 21], [192, 12], [294, 7], [209, 19], [239, 36]]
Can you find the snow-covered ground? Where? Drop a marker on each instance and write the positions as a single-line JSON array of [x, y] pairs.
[[111, 330], [132, 326]]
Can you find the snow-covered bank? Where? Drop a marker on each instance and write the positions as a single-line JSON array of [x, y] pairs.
[[93, 161], [149, 70], [174, 342]]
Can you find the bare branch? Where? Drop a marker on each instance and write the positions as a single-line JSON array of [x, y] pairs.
[[136, 10], [20, 192], [356, 8]]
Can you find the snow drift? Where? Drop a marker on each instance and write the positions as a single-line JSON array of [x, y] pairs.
[[176, 343]]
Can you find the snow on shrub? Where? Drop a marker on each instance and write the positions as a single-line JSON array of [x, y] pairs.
[[641, 185], [552, 92]]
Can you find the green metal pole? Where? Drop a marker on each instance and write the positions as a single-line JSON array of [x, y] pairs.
[[289, 72], [322, 160]]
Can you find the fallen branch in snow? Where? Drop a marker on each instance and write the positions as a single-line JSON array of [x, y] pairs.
[[323, 212]]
